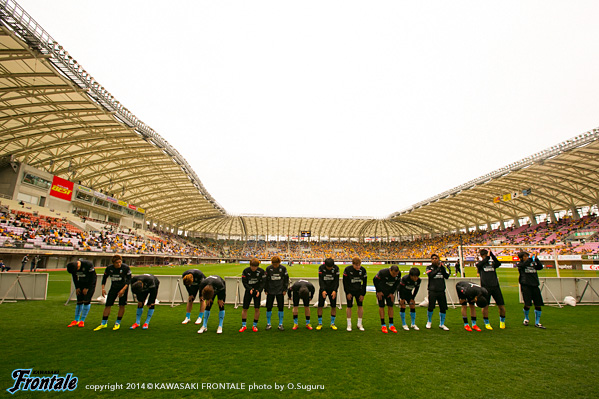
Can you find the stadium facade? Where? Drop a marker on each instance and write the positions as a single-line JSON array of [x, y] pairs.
[[61, 130]]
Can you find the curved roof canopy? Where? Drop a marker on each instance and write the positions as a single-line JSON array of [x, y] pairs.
[[562, 177], [55, 116]]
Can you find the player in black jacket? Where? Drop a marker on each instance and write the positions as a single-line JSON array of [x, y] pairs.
[[408, 289], [328, 279], [120, 278], [386, 282], [354, 285], [436, 290], [192, 279], [253, 282], [275, 286], [304, 290], [144, 286], [210, 287], [488, 279], [529, 285], [84, 279], [469, 294]]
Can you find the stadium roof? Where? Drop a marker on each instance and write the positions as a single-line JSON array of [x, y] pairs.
[[55, 116]]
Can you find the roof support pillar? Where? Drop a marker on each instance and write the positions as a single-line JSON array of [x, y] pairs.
[[533, 219], [575, 214]]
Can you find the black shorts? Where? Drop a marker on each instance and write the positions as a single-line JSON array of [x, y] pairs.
[[437, 296], [151, 295], [247, 299], [465, 302], [495, 292], [406, 295], [386, 300], [531, 294], [332, 302], [112, 295], [462, 299], [218, 296], [270, 300], [350, 302], [296, 300], [192, 290], [87, 298]]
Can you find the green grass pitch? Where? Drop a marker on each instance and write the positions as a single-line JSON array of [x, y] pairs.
[[516, 362]]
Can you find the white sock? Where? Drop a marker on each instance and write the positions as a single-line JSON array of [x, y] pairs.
[[359, 321], [349, 323]]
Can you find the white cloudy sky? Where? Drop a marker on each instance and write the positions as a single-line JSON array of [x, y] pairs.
[[341, 108]]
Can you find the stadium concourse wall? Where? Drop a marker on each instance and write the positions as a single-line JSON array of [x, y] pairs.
[[23, 286]]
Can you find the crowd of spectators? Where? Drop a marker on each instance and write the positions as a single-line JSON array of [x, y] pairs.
[[559, 233], [19, 229], [24, 230]]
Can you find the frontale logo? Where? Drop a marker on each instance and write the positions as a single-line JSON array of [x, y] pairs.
[[54, 383]]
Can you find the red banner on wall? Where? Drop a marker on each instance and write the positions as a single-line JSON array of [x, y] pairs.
[[61, 188]]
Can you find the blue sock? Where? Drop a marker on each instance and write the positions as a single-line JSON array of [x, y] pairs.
[[243, 323], [149, 317], [333, 319], [403, 318], [188, 315], [201, 313], [307, 320], [295, 319], [281, 313], [486, 319], [255, 323], [138, 315], [502, 318], [78, 312], [104, 322], [537, 316], [413, 317], [442, 319], [206, 315], [319, 319], [526, 311], [268, 317], [221, 317], [85, 311], [473, 321], [118, 321], [429, 314]]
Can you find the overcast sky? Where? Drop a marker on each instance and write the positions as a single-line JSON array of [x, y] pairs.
[[341, 108]]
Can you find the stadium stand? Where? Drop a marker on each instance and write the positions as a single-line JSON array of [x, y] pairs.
[[26, 230]]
